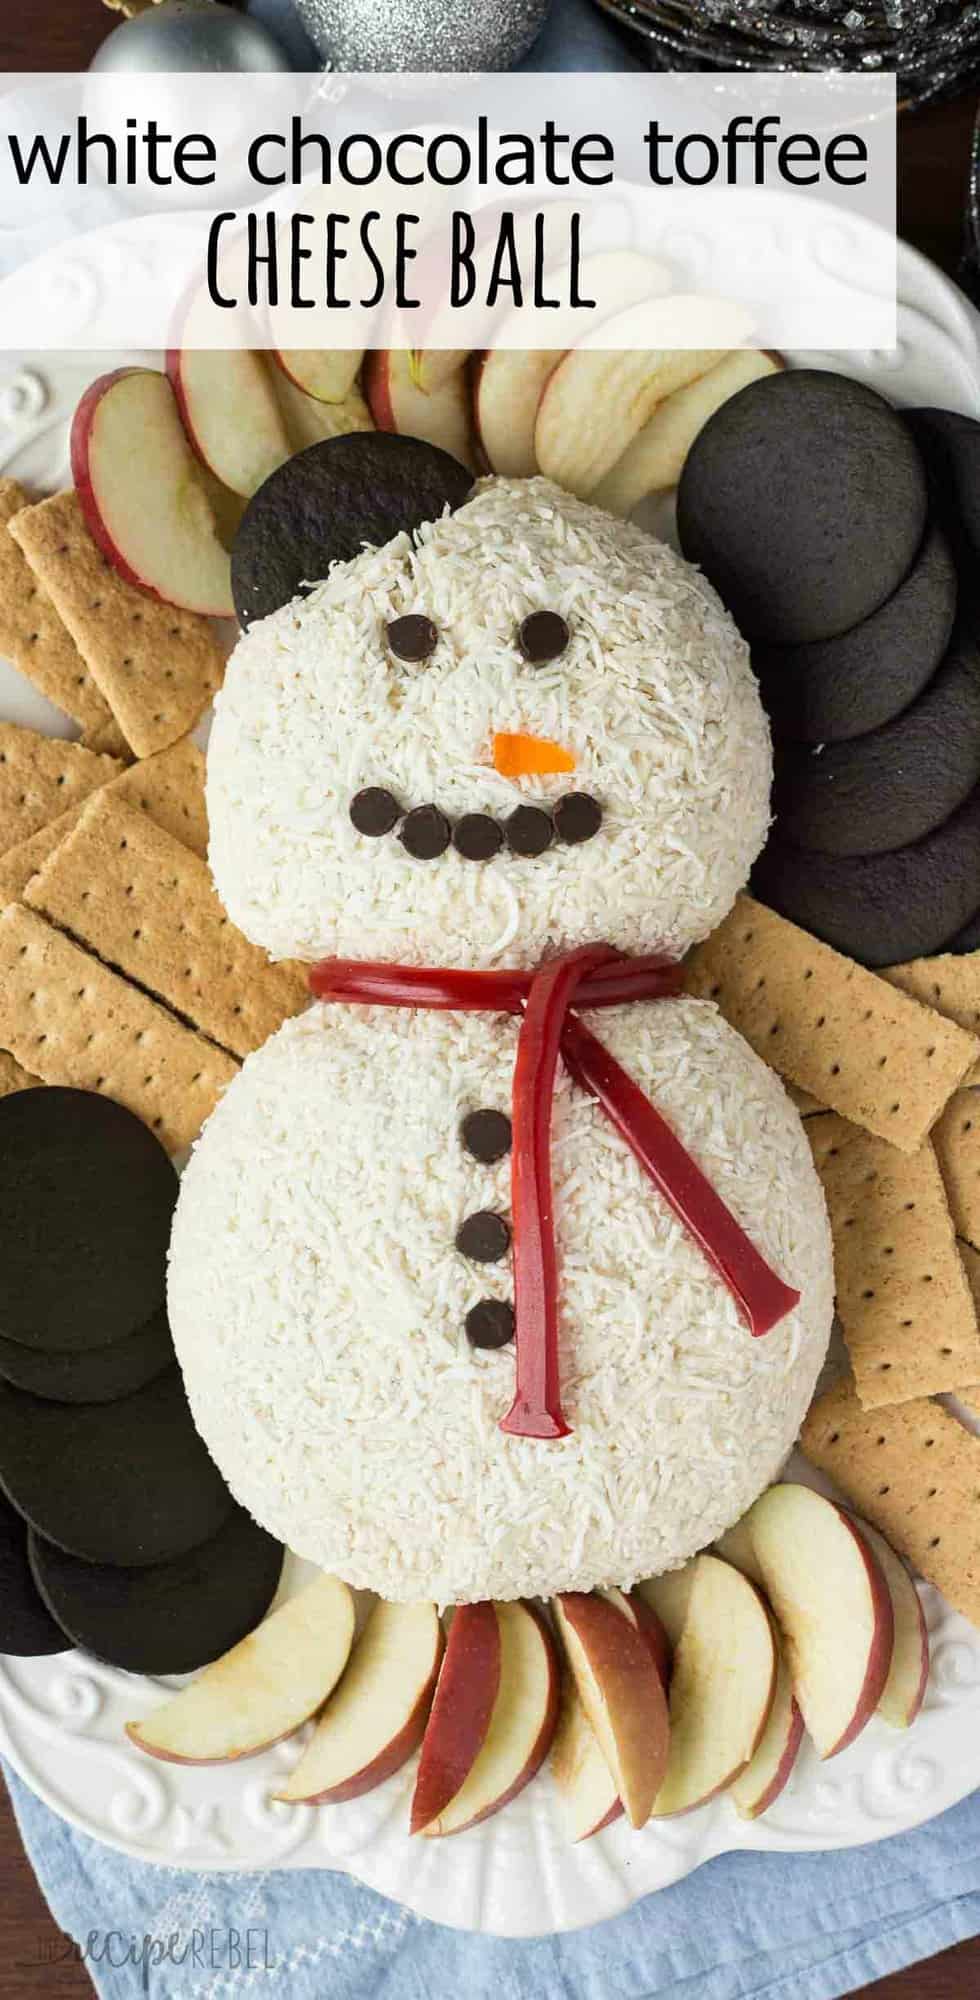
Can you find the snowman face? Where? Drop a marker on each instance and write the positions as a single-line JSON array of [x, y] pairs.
[[361, 789]]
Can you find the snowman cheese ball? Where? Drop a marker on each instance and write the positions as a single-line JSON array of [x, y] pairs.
[[504, 1270]]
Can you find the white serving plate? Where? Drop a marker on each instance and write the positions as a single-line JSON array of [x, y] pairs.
[[61, 1719]]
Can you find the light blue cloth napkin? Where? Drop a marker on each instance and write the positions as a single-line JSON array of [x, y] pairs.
[[745, 1927], [786, 1927]]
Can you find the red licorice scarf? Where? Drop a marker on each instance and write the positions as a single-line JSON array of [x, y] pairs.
[[594, 976]]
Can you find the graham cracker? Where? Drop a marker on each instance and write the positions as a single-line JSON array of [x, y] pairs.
[[169, 788], [903, 1299], [34, 640], [41, 777], [13, 1078], [957, 1143], [70, 1020], [970, 1394], [109, 739], [147, 906], [806, 1105], [851, 1040], [914, 1471], [950, 984], [21, 862], [156, 666], [971, 1265]]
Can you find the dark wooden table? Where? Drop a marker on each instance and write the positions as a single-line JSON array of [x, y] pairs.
[[933, 149]]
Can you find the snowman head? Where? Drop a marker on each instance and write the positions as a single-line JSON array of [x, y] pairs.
[[509, 724]]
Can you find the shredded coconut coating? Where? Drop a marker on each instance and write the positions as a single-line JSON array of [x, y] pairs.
[[654, 696], [317, 1304]]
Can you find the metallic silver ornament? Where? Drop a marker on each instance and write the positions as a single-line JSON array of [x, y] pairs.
[[392, 35], [184, 35]]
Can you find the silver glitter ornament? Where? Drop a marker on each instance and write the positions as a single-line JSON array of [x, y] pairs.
[[934, 45], [184, 35], [392, 35]]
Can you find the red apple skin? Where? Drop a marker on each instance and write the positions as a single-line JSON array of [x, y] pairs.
[[617, 1658], [83, 424], [174, 374], [615, 1810], [395, 1754], [916, 1706], [880, 1655], [477, 363], [465, 1694], [784, 1769], [545, 1737], [655, 1636], [377, 388], [198, 1763]]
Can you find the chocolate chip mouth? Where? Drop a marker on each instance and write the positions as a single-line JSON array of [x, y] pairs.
[[425, 831]]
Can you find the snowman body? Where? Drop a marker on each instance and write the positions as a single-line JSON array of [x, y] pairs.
[[322, 1273], [319, 1304]]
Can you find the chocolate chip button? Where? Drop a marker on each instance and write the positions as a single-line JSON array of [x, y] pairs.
[[412, 638], [542, 636], [374, 811], [425, 832], [490, 1324], [487, 1135], [529, 830], [577, 817], [477, 837], [484, 1237]]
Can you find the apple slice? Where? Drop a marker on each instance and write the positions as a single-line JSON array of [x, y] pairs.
[[507, 389], [230, 414], [621, 1693], [464, 1702], [769, 1772], [143, 502], [736, 1547], [723, 1679], [377, 1716], [651, 1628], [328, 374], [226, 507], [585, 1783], [398, 404], [832, 1606], [264, 1689], [578, 1766], [521, 1728], [655, 459], [905, 1688], [432, 367], [606, 389], [309, 422]]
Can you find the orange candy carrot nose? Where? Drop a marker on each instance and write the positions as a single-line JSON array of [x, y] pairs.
[[516, 756]]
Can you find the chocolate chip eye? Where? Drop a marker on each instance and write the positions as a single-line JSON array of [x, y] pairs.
[[542, 636], [412, 638]]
